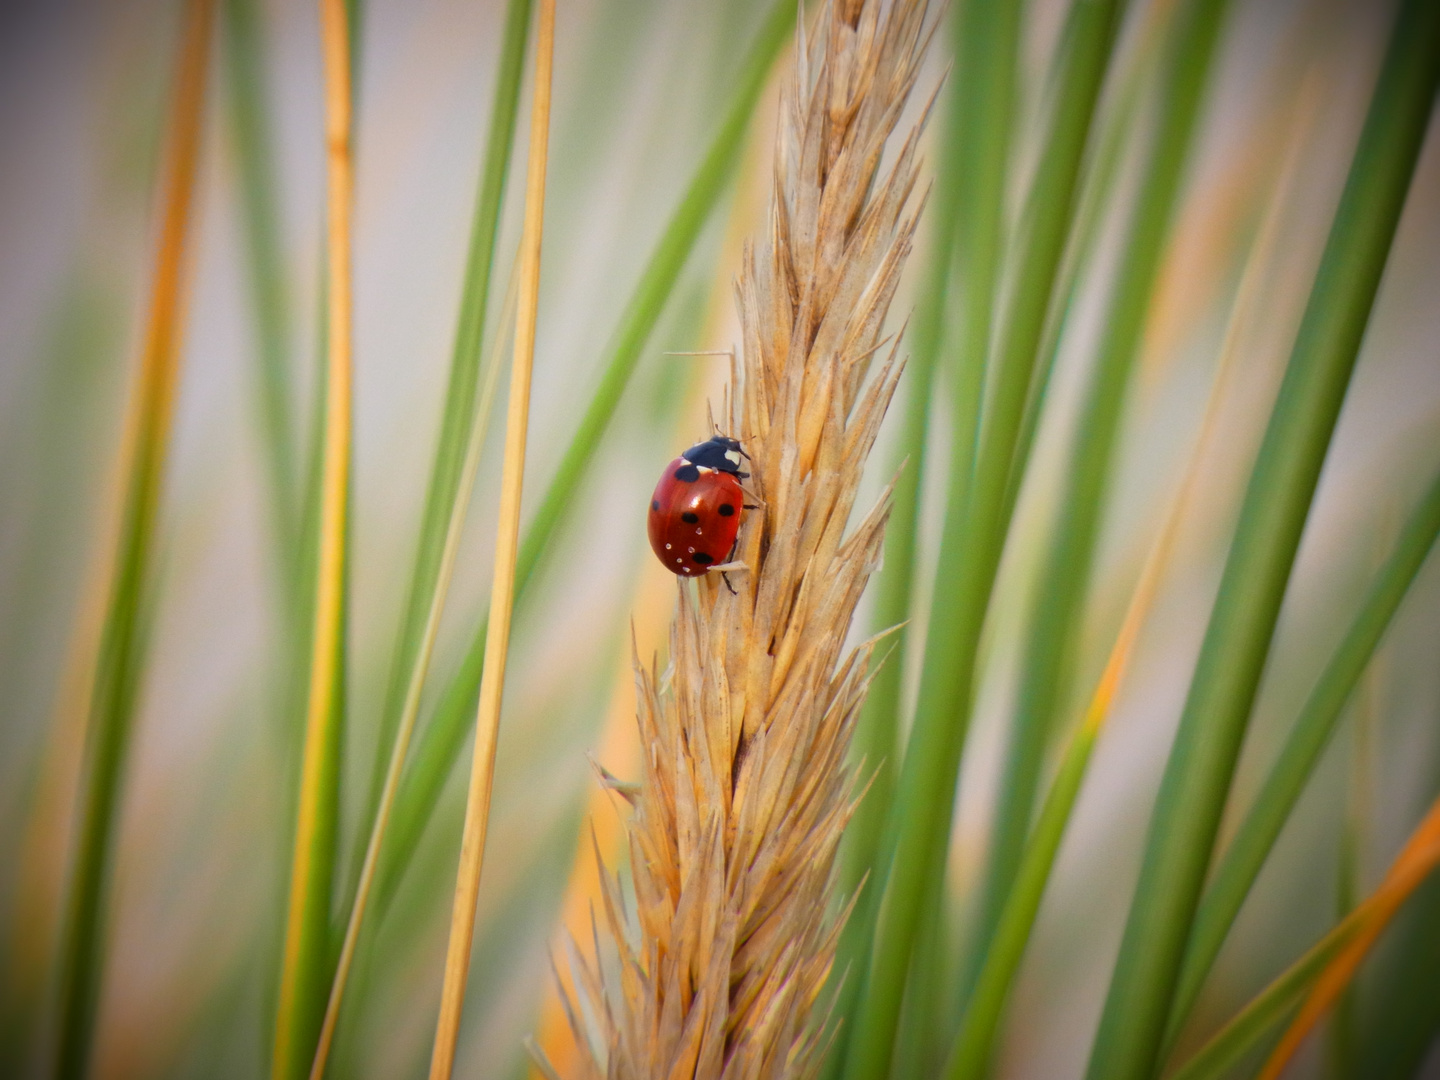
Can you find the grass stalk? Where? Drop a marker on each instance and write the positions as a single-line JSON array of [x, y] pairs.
[[507, 536], [1007, 941], [443, 739], [1277, 501], [877, 731], [304, 975], [988, 45], [1064, 575], [1246, 854], [1103, 158], [410, 707], [254, 157], [114, 684], [744, 789], [975, 528], [1400, 1019], [1325, 970], [1085, 51], [460, 416], [1267, 1010]]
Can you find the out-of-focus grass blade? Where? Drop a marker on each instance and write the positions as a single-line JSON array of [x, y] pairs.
[[1402, 1013], [987, 52], [1270, 1008], [1197, 777], [1081, 63], [1325, 970], [920, 823], [442, 740], [1247, 852], [120, 661], [254, 156], [84, 341], [876, 731], [1104, 159], [1342, 1031], [489, 360], [1064, 576], [459, 412], [305, 970], [1005, 944], [507, 542], [375, 835], [1088, 40]]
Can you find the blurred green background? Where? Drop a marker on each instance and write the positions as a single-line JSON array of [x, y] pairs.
[[200, 857]]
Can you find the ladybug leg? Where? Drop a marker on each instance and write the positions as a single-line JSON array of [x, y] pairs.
[[726, 577]]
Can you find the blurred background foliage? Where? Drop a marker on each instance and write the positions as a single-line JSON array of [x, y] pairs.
[[644, 91]]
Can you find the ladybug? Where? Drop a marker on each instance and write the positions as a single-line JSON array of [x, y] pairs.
[[695, 511]]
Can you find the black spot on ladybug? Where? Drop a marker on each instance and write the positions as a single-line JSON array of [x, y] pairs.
[[702, 558], [689, 518], [687, 473], [726, 510], [654, 504]]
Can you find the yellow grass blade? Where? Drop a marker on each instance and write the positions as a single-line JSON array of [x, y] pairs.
[[1414, 863], [411, 708], [303, 975], [492, 684]]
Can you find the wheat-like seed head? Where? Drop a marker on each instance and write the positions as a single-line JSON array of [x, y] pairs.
[[744, 791]]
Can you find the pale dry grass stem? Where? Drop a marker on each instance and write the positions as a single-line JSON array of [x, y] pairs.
[[507, 539], [744, 790]]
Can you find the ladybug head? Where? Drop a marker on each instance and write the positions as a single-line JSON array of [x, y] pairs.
[[720, 453]]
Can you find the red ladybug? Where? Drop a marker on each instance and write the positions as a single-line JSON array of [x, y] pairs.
[[695, 511]]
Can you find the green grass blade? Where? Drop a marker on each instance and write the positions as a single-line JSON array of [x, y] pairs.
[[444, 737], [120, 663], [254, 157], [1263, 1015], [1005, 945], [1246, 854], [459, 409], [1085, 57], [1064, 578], [308, 951], [1198, 774], [875, 739], [1101, 175], [1404, 1011], [915, 833]]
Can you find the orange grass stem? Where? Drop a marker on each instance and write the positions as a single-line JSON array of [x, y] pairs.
[[1410, 868], [112, 666], [307, 921], [502, 593]]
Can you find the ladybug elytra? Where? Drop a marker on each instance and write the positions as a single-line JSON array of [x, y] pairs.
[[695, 511]]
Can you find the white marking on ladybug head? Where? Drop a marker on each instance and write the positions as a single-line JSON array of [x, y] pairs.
[[733, 456]]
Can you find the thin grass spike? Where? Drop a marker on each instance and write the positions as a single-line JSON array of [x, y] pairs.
[[745, 790]]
